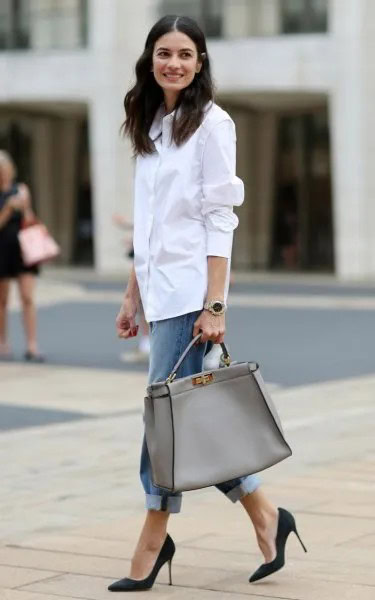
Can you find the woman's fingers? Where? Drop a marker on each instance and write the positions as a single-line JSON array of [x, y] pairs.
[[196, 328], [128, 332], [211, 327], [126, 326]]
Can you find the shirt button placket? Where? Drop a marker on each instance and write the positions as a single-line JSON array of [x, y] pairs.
[[151, 218]]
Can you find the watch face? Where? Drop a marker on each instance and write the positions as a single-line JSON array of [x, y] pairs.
[[217, 306]]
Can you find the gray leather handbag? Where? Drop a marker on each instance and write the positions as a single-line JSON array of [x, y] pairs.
[[211, 427]]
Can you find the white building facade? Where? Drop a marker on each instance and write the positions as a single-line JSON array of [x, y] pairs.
[[296, 75]]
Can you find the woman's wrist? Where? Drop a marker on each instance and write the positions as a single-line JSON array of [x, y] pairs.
[[217, 275], [132, 289], [132, 294]]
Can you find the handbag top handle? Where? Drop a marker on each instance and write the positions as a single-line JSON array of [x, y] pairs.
[[226, 357]]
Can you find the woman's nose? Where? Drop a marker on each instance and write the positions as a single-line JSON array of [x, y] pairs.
[[174, 62]]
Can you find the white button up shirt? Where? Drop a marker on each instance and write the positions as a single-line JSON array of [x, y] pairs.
[[183, 212]]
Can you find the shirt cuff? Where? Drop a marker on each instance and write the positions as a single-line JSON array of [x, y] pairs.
[[219, 243]]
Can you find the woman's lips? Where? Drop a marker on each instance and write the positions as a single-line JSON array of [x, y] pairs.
[[173, 76]]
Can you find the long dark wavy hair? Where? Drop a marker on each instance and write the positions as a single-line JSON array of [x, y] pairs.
[[143, 100]]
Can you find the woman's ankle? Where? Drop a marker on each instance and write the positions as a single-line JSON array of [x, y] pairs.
[[152, 543], [154, 530], [263, 517], [258, 507]]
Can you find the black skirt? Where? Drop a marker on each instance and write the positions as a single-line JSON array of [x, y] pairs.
[[11, 263]]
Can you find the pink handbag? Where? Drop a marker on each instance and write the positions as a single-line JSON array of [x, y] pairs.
[[37, 245]]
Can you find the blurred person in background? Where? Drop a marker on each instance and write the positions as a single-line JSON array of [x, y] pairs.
[[15, 208], [142, 353], [185, 190]]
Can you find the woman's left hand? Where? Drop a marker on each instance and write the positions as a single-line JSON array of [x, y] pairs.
[[24, 194], [211, 326], [21, 200]]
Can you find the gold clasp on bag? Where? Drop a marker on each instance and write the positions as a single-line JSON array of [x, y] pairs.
[[203, 379], [226, 360]]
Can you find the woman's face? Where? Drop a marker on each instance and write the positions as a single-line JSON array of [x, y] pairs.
[[175, 61]]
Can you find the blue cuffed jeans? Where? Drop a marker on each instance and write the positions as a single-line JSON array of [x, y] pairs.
[[169, 339]]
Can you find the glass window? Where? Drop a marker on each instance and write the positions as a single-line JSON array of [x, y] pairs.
[[246, 18], [43, 24], [303, 234], [208, 13], [14, 24], [304, 16]]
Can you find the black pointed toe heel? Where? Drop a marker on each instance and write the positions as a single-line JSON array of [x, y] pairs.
[[137, 585], [286, 525]]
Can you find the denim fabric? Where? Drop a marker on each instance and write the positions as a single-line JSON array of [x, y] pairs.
[[169, 338]]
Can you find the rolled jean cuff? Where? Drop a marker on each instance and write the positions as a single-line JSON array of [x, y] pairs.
[[171, 504], [247, 486]]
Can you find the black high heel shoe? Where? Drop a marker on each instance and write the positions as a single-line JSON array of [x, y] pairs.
[[286, 525], [137, 585]]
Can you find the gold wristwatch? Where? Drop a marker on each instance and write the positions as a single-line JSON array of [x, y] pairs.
[[216, 307]]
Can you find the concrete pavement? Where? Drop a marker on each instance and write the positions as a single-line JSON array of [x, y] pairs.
[[300, 331], [72, 506]]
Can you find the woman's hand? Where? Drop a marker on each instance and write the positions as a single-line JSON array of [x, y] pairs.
[[211, 326], [22, 200], [125, 321], [17, 203]]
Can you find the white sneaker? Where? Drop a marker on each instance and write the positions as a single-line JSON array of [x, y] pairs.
[[212, 360], [134, 357], [144, 344]]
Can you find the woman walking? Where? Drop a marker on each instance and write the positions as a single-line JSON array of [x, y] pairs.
[[185, 190], [15, 206]]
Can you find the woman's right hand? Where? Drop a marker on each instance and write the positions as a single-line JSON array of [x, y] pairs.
[[125, 321]]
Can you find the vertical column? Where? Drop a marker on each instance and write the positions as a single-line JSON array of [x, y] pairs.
[[118, 31], [66, 159], [43, 171], [353, 134], [265, 168], [269, 17], [242, 255], [111, 179], [242, 18]]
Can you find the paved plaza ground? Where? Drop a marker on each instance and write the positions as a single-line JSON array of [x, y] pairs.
[[71, 504]]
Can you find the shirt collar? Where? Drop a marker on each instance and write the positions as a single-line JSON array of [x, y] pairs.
[[157, 124]]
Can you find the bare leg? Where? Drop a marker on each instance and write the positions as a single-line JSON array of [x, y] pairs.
[[4, 295], [264, 517], [152, 537], [26, 285]]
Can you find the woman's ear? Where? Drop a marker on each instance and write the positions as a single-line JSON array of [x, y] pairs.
[[202, 57]]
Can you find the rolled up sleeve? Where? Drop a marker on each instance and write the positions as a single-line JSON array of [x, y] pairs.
[[222, 189]]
